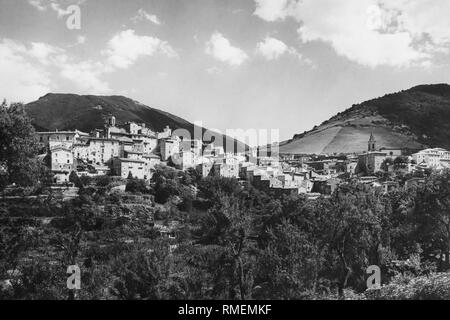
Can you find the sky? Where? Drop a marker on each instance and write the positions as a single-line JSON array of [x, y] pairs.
[[229, 64]]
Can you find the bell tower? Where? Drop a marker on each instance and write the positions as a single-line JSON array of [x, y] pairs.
[[112, 121], [372, 143]]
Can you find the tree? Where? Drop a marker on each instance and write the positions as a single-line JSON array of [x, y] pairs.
[[137, 186], [103, 181], [18, 147], [142, 274], [75, 179], [228, 225], [433, 216], [288, 267], [166, 183], [353, 232], [401, 162], [386, 164]]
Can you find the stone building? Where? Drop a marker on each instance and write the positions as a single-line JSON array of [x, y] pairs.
[[123, 167], [169, 147], [437, 158], [61, 163]]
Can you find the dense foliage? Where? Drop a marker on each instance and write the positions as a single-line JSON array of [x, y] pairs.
[[235, 242], [181, 236], [18, 149]]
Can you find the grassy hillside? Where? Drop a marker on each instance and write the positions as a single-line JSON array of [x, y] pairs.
[[414, 118]]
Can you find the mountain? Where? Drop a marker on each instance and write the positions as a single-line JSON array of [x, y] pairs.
[[416, 118], [87, 112]]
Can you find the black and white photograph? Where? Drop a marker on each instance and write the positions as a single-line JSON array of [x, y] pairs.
[[249, 151]]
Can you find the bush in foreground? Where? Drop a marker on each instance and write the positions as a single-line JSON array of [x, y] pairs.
[[432, 287]]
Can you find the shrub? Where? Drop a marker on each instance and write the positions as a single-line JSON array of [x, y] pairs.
[[433, 287], [103, 181], [137, 186]]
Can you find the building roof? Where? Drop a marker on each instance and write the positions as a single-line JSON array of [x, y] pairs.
[[390, 148], [130, 160], [125, 139], [116, 130], [151, 155], [57, 132], [57, 148], [103, 139]]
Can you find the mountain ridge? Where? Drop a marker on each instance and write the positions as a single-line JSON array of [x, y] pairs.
[[415, 118], [67, 111]]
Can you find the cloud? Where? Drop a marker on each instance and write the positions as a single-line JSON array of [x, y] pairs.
[[44, 53], [125, 48], [213, 70], [59, 10], [220, 48], [144, 15], [55, 5], [19, 77], [272, 49], [397, 33], [272, 10], [31, 70], [38, 4], [86, 76], [81, 39]]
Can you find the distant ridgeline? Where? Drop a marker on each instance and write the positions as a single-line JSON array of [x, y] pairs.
[[413, 119], [86, 113]]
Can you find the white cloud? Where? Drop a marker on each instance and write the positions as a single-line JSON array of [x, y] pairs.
[[20, 80], [55, 5], [144, 15], [43, 52], [213, 70], [126, 47], [38, 4], [369, 32], [31, 70], [220, 48], [272, 49], [86, 76], [81, 39], [59, 10], [271, 10]]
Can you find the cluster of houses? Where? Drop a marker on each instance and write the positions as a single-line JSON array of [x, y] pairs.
[[321, 175], [133, 150]]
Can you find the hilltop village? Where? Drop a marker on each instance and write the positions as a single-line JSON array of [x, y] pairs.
[[133, 150], [149, 214]]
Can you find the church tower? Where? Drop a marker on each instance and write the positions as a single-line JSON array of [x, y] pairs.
[[372, 143], [110, 121]]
